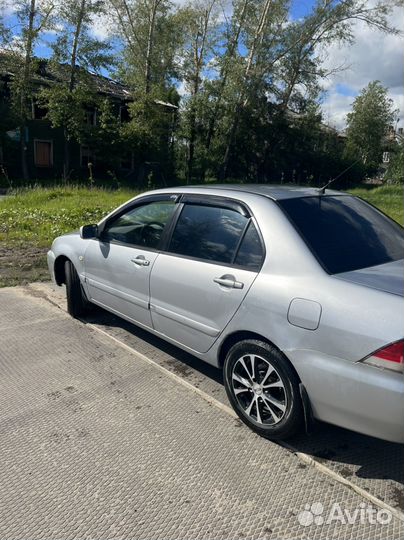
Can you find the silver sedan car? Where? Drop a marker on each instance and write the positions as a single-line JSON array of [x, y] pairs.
[[296, 293]]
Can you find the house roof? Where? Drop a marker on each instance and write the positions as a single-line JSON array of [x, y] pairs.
[[47, 72]]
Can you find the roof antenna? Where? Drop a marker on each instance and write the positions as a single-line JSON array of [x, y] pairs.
[[321, 190]]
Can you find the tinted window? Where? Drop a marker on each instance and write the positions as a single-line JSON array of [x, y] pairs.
[[208, 232], [344, 232], [141, 226], [250, 253]]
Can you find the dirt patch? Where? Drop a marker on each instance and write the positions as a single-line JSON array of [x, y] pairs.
[[398, 496], [20, 265], [179, 368], [346, 472]]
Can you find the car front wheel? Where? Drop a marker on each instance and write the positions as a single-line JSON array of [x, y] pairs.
[[76, 301], [263, 389]]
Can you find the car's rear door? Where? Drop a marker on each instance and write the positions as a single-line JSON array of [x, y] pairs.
[[212, 258], [119, 262]]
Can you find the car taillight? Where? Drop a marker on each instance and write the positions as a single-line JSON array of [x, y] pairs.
[[390, 357]]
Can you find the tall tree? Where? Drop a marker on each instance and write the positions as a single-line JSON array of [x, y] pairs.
[[34, 17], [368, 123], [150, 36], [200, 31], [261, 37], [75, 52], [395, 169], [279, 57], [227, 61], [305, 42]]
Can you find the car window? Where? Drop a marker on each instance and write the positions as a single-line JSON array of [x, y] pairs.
[[250, 253], [344, 232], [208, 232], [141, 226]]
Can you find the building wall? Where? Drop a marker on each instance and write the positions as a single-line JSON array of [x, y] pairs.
[[40, 129]]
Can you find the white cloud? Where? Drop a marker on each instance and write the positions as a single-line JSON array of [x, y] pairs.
[[373, 56], [7, 8], [182, 91], [335, 109], [101, 27], [57, 29]]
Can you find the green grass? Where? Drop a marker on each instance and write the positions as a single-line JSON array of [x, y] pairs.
[[388, 198], [37, 216], [30, 219]]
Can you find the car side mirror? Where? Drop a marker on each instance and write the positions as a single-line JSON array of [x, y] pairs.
[[89, 231]]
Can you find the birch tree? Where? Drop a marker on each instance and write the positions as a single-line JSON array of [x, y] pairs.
[[150, 34], [262, 32], [368, 123], [306, 42], [200, 30], [277, 54], [75, 52], [34, 17]]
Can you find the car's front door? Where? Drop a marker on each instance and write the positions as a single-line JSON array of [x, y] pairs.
[[118, 264], [197, 285]]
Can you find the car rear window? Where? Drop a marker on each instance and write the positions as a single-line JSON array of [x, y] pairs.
[[344, 232]]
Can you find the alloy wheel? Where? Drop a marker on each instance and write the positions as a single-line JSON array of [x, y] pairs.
[[259, 389]]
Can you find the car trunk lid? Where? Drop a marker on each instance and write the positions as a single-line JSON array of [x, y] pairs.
[[388, 277]]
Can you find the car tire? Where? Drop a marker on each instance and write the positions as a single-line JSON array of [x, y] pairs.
[[263, 389], [77, 303]]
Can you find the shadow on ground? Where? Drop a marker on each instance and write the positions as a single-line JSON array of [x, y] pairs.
[[376, 466], [181, 360]]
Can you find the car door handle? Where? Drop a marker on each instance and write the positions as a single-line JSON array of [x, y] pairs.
[[229, 282], [140, 261]]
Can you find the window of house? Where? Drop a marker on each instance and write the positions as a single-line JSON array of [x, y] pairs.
[[140, 226], [124, 113], [91, 117], [38, 112], [87, 155], [208, 232], [43, 153]]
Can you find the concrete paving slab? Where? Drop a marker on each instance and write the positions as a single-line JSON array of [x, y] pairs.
[[98, 443], [373, 465]]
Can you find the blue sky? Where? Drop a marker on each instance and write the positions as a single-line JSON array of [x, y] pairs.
[[300, 8]]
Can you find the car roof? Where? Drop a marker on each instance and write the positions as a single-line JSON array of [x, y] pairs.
[[272, 191]]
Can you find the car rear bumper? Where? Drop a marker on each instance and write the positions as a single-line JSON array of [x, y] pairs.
[[353, 395]]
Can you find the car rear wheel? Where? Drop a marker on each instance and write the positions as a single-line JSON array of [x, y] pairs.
[[263, 389], [76, 301]]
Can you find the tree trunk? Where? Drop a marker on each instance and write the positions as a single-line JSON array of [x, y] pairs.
[[149, 50], [72, 78], [199, 53], [192, 131], [23, 94], [237, 110], [191, 152], [230, 54]]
